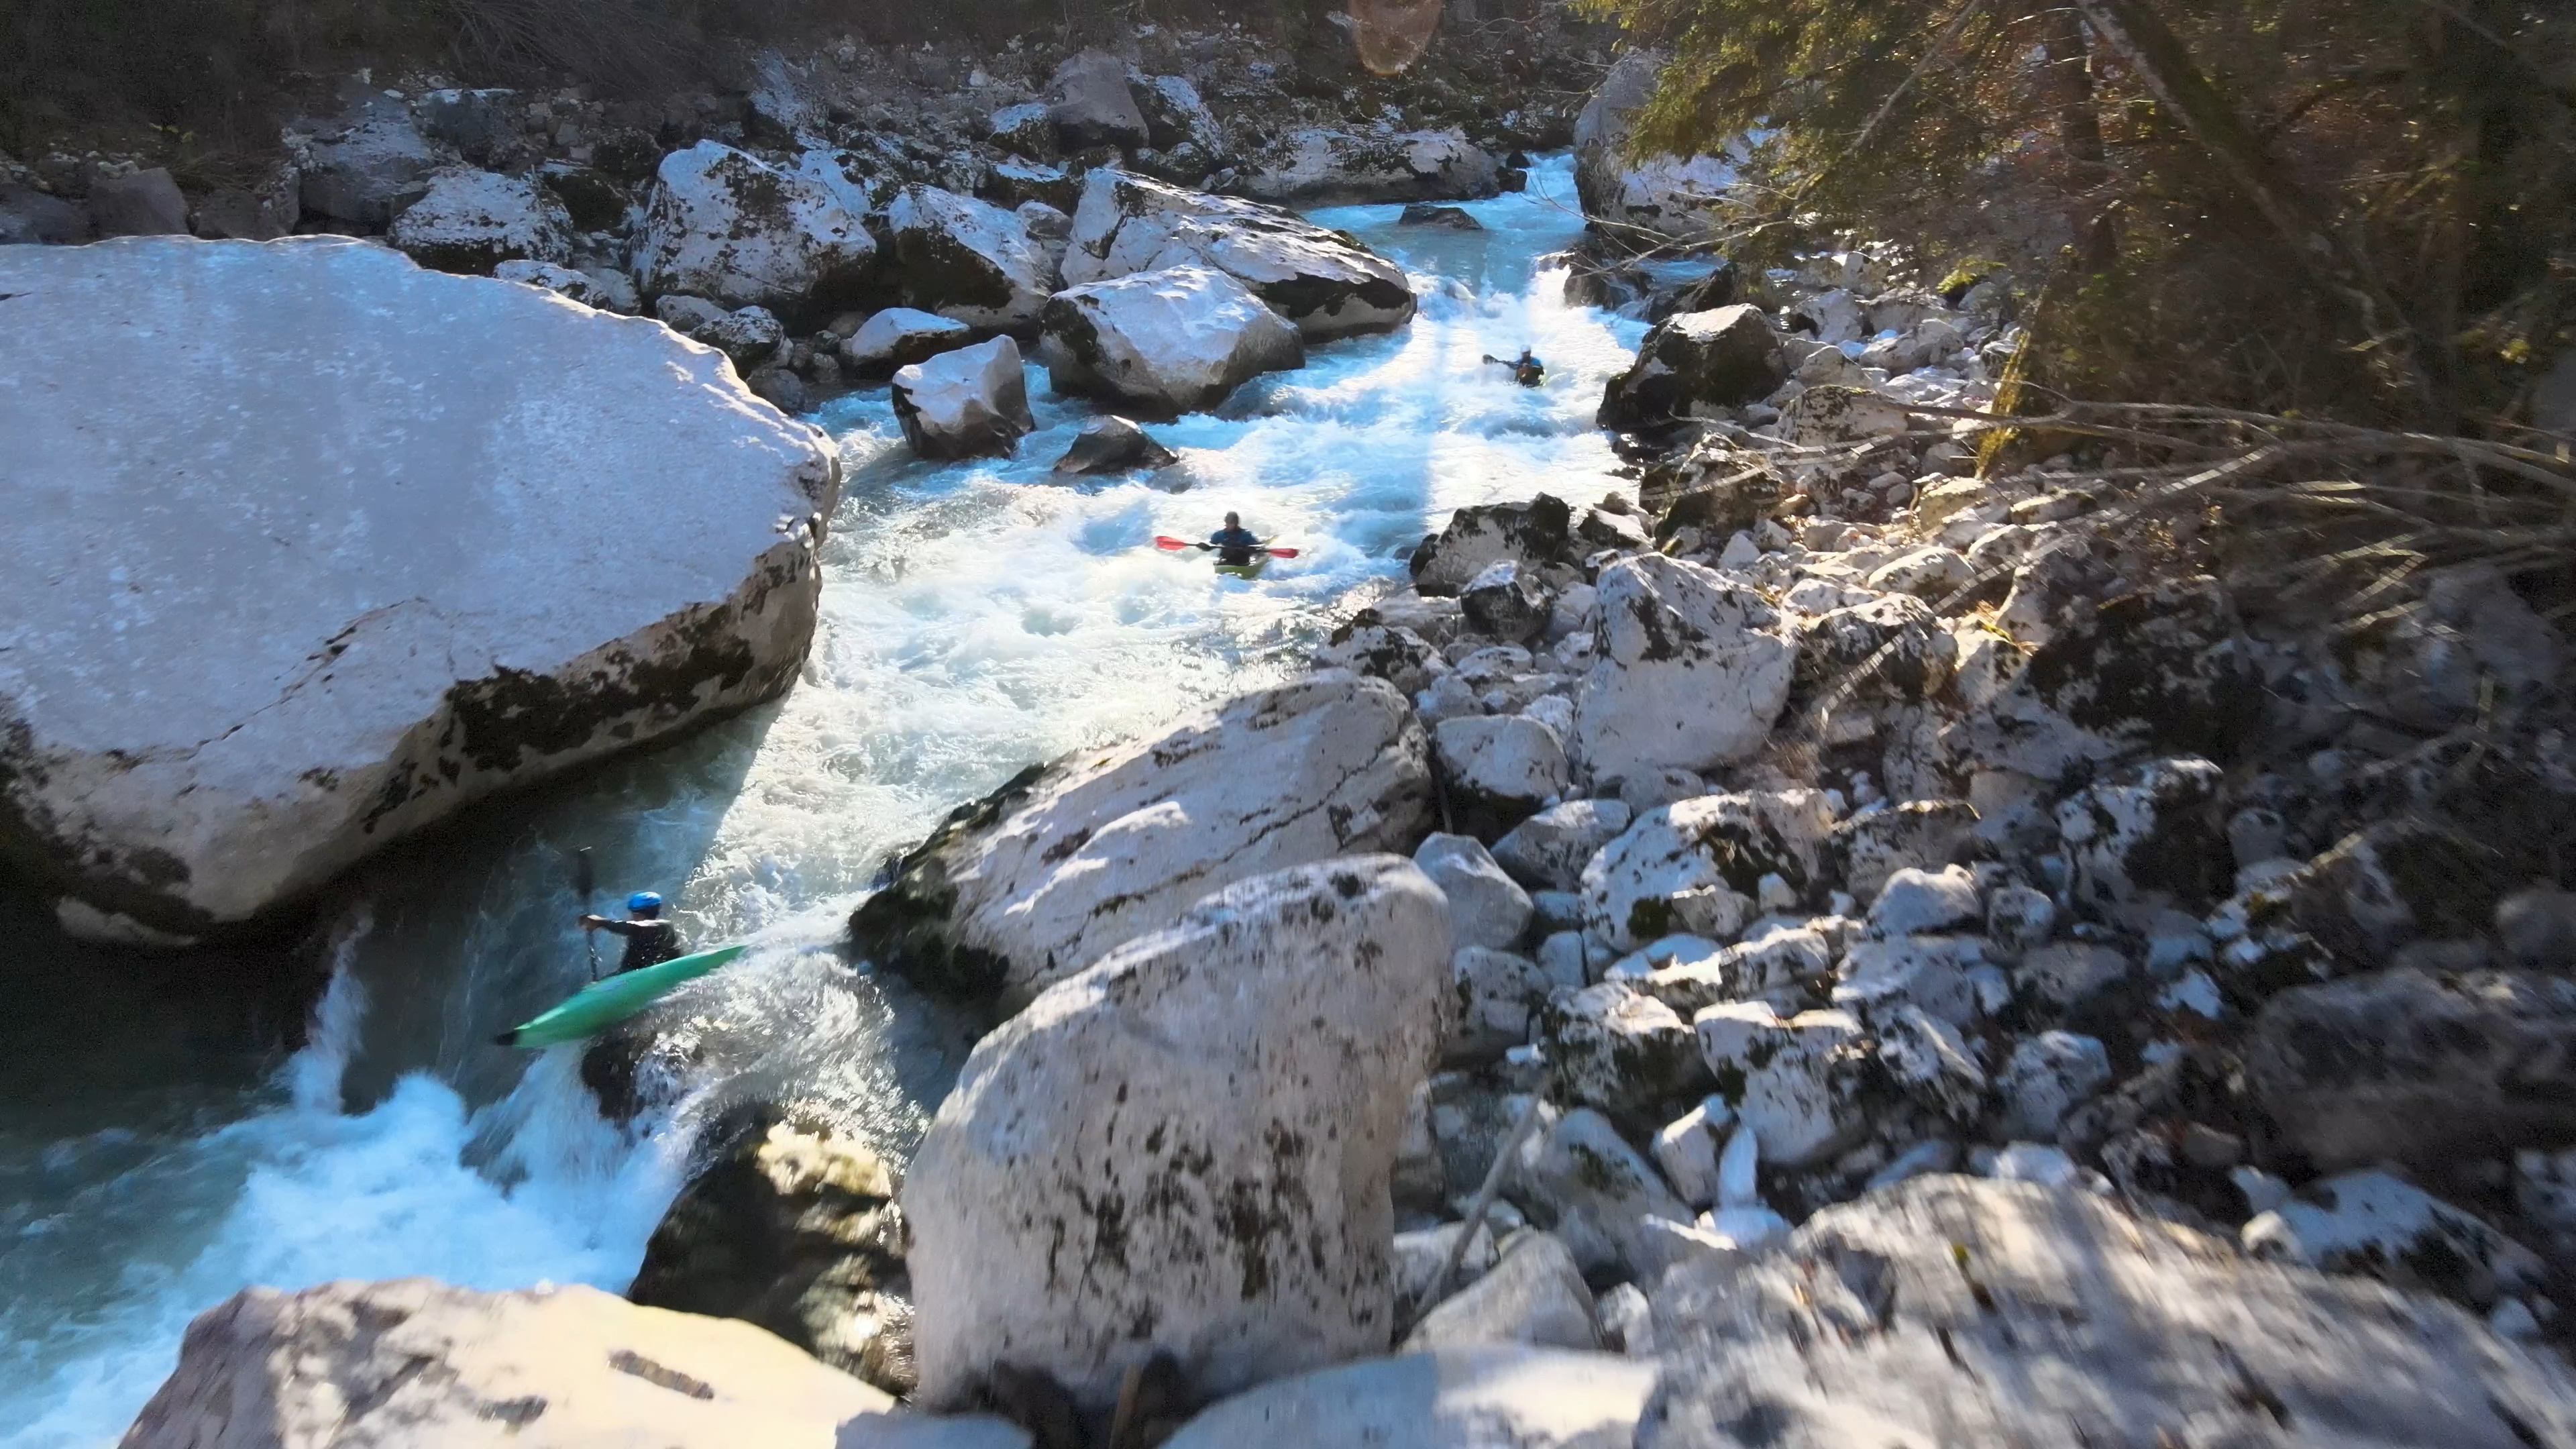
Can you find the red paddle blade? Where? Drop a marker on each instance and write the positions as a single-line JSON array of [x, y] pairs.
[[1167, 543], [1283, 553]]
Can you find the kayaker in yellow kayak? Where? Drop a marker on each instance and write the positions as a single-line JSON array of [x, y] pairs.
[[650, 940], [1234, 543]]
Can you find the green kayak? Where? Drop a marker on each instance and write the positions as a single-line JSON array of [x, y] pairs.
[[603, 1004], [1252, 570]]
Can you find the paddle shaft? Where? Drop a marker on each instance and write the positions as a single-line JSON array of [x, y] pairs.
[[1169, 544], [586, 881]]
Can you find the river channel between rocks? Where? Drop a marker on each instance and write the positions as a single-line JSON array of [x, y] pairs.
[[976, 618]]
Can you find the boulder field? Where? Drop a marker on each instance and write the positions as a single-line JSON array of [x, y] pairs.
[[358, 552]]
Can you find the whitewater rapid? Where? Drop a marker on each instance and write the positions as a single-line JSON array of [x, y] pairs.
[[976, 617]]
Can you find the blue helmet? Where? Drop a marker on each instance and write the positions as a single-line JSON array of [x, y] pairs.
[[644, 903]]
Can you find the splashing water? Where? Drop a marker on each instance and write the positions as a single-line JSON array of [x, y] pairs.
[[976, 617]]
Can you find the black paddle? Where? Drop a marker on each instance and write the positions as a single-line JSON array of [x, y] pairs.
[[586, 883]]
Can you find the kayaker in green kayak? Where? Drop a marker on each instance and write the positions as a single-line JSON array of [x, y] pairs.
[[1234, 543], [650, 940]]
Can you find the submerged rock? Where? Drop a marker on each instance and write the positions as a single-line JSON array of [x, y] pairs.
[[411, 1362], [1166, 342], [793, 1228], [1113, 445], [1955, 1311], [965, 404], [1326, 283], [1188, 1147], [336, 623], [1032, 884]]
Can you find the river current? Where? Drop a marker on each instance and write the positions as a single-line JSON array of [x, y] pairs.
[[155, 1158]]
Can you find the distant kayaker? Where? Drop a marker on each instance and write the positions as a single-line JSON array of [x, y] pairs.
[[650, 940], [1234, 543], [1527, 370]]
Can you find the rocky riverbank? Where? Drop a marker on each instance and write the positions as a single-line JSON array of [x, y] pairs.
[[1836, 943]]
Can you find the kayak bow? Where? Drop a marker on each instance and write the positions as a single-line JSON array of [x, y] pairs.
[[603, 1004]]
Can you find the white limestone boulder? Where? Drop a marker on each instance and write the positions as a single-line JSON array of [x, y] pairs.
[[472, 221], [725, 225], [1033, 883], [1165, 342], [1326, 283], [2008, 1313], [1500, 769], [2376, 1224], [363, 168], [967, 260], [1486, 906], [2149, 831], [1527, 535], [1597, 1193], [564, 282], [1549, 850], [1797, 1084], [1187, 1147], [1093, 105], [1645, 200], [1686, 1148], [2047, 1077], [899, 337], [341, 486], [967, 403], [1534, 1294], [1492, 1397], [1721, 358], [1332, 166], [1620, 1050], [748, 335], [1695, 865], [415, 1362], [1499, 997], [1693, 670], [1917, 902], [1947, 976]]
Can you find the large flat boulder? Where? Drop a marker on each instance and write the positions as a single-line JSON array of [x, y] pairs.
[[727, 226], [1951, 1310], [1484, 1397], [335, 574], [1189, 1147], [1324, 281], [1034, 883], [968, 260], [1164, 343], [362, 168], [412, 1363]]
